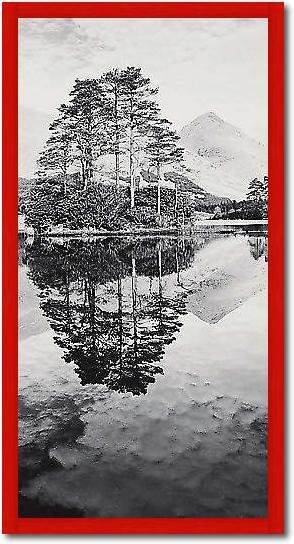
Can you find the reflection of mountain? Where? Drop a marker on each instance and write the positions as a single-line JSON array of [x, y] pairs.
[[105, 320], [89, 451], [115, 305], [216, 290]]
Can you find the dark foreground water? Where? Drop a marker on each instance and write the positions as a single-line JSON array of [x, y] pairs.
[[143, 376]]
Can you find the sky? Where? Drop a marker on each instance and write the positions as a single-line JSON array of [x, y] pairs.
[[199, 65]]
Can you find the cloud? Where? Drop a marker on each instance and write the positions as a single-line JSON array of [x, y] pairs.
[[198, 64], [59, 39]]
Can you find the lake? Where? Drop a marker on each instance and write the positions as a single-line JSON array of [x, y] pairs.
[[143, 375]]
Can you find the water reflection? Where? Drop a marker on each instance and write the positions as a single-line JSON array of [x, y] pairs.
[[258, 247], [123, 312], [113, 329], [106, 301]]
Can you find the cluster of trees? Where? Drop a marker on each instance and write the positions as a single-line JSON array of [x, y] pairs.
[[257, 197], [110, 325], [254, 207], [116, 118], [102, 207], [114, 115]]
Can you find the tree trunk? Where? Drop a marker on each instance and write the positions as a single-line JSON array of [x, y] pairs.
[[64, 172], [86, 174], [67, 290], [132, 184], [176, 198], [120, 320], [89, 165], [159, 269], [177, 264], [92, 308], [64, 183], [150, 285], [134, 307], [84, 182], [183, 221], [160, 284], [117, 170], [159, 195], [116, 140]]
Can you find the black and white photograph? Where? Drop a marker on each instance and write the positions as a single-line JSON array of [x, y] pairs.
[[142, 267]]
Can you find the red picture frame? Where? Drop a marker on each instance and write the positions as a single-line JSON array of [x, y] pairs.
[[274, 523]]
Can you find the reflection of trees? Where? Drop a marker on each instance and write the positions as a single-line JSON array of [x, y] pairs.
[[113, 330], [258, 247], [21, 250]]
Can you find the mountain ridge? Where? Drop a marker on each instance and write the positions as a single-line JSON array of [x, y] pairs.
[[221, 157]]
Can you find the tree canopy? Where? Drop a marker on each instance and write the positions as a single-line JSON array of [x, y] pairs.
[[115, 115], [108, 156]]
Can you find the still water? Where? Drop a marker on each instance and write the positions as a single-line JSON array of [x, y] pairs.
[[143, 376]]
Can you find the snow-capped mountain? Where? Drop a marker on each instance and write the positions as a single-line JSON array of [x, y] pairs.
[[222, 159]]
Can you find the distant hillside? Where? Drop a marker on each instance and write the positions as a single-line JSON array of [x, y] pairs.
[[222, 159], [201, 196]]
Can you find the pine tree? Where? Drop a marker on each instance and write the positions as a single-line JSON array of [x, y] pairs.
[[140, 110], [84, 120], [255, 191], [47, 204], [57, 156], [257, 196], [162, 149], [114, 114], [113, 87], [265, 189]]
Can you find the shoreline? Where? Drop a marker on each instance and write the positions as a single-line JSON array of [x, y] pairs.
[[150, 232], [231, 222]]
